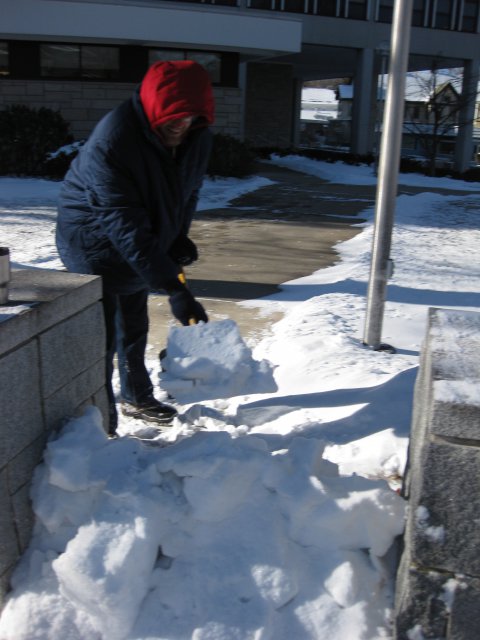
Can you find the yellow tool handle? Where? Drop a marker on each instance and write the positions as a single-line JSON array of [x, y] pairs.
[[183, 280]]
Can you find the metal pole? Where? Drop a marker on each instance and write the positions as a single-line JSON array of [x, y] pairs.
[[388, 172], [384, 50], [5, 274]]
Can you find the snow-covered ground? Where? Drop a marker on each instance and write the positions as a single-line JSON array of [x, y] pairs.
[[270, 515]]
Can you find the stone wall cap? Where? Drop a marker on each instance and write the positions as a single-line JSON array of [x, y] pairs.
[[40, 299], [454, 344]]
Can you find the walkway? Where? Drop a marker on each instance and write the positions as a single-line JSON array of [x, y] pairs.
[[277, 233]]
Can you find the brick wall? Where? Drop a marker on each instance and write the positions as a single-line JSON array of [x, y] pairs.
[[82, 104]]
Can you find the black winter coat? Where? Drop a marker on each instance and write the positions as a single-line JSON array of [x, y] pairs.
[[125, 199]]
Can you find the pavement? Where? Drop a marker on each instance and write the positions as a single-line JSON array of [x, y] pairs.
[[272, 235]]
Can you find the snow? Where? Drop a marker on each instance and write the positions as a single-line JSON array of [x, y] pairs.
[[318, 104], [272, 511], [319, 95], [207, 361], [433, 534]]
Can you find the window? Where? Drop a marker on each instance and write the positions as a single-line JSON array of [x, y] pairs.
[[261, 4], [446, 148], [418, 13], [294, 6], [415, 113], [385, 11], [123, 63], [59, 60], [160, 55], [327, 7], [469, 20], [211, 61], [458, 15], [226, 3], [79, 61], [357, 10], [100, 62], [4, 62], [443, 15]]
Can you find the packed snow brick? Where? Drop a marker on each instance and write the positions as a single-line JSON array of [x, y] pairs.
[[209, 361]]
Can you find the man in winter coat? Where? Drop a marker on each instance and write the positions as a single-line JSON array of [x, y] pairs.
[[124, 213]]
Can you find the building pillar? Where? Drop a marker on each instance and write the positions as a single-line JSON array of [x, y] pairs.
[[297, 110], [364, 103], [269, 105], [464, 143], [242, 85]]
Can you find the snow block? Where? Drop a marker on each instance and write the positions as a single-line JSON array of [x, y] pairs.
[[209, 361], [439, 575], [105, 568]]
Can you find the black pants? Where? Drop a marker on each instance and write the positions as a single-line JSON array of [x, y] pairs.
[[126, 319]]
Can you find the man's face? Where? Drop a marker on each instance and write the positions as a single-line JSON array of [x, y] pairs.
[[174, 131]]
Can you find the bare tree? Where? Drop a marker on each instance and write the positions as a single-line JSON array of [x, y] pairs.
[[433, 110]]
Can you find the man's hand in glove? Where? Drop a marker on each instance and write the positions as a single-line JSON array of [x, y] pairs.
[[183, 251], [186, 309]]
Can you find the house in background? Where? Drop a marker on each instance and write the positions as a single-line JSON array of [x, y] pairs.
[[431, 124], [83, 57], [431, 119], [336, 125]]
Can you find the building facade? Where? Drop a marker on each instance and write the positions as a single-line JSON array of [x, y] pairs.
[[83, 57]]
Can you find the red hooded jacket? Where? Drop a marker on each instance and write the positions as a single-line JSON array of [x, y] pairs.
[[177, 89], [126, 199]]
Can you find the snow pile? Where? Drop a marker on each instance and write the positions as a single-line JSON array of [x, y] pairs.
[[208, 361], [218, 192], [244, 527], [381, 455], [212, 538], [343, 173]]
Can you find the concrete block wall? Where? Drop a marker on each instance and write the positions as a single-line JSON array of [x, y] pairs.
[[438, 582], [52, 365], [83, 104], [229, 112]]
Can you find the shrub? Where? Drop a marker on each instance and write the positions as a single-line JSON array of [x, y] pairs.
[[27, 135], [470, 175], [57, 163], [230, 157]]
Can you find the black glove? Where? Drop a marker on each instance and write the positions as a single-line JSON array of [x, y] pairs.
[[186, 309], [183, 251]]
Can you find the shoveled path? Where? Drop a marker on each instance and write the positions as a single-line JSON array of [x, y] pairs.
[[272, 235], [277, 233]]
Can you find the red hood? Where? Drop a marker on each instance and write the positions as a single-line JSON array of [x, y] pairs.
[[176, 89]]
